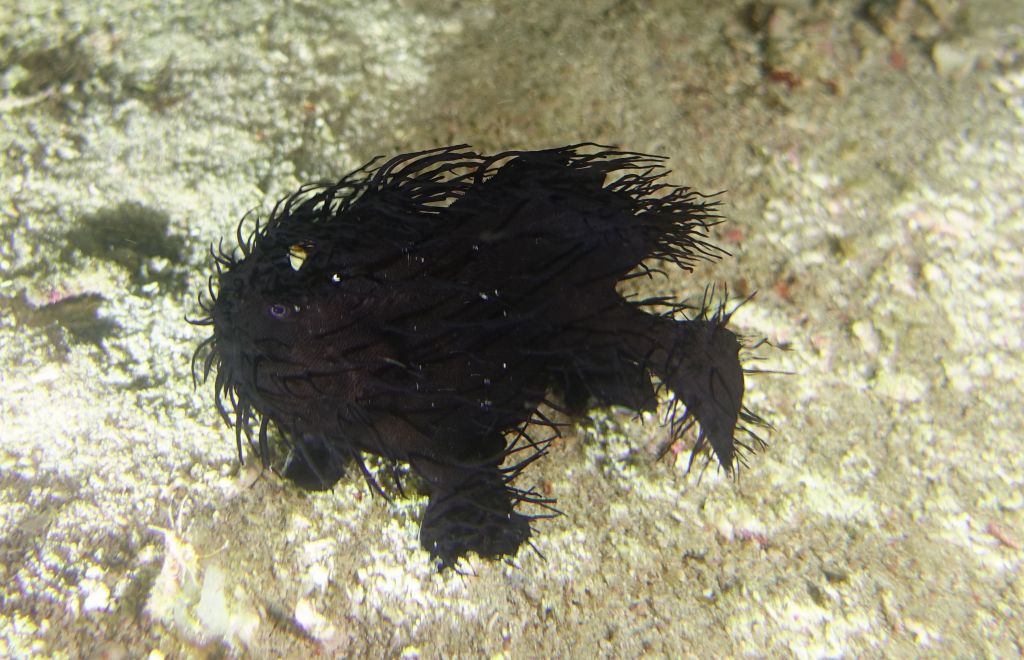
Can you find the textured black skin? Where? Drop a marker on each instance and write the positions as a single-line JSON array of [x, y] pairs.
[[421, 311]]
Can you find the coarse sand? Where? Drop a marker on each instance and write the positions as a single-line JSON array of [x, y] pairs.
[[872, 158]]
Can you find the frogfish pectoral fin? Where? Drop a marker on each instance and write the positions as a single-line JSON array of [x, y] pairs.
[[474, 512], [314, 463]]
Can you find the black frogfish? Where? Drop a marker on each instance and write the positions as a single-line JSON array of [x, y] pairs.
[[422, 309]]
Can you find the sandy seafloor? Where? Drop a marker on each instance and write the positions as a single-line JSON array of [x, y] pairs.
[[873, 154]]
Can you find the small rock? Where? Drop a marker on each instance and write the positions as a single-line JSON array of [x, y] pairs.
[[953, 60], [865, 332], [901, 387]]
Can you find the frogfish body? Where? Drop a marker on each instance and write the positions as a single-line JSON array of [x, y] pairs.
[[421, 310]]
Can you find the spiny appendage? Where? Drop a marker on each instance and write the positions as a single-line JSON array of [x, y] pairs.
[[705, 375], [676, 219], [479, 511], [399, 192], [232, 405]]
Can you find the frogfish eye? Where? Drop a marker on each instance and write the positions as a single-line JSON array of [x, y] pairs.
[[280, 311]]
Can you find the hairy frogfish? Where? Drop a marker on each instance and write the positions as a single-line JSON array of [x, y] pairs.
[[422, 309]]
